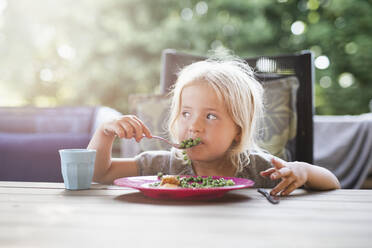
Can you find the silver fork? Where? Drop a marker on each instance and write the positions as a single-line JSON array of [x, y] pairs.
[[270, 198], [178, 146]]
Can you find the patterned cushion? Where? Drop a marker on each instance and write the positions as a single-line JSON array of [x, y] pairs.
[[277, 129]]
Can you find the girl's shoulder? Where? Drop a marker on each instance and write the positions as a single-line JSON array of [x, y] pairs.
[[152, 162], [258, 161], [148, 156]]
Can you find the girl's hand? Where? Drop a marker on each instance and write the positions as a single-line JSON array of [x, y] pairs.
[[127, 127], [293, 175]]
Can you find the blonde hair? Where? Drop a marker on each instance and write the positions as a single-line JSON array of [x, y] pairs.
[[234, 83]]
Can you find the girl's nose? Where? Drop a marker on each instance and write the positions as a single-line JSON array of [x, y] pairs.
[[196, 126]]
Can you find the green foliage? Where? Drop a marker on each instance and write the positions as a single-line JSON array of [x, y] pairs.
[[117, 45]]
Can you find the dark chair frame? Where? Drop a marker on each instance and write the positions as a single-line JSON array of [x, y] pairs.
[[299, 65]]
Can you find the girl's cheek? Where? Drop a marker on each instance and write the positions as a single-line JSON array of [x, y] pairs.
[[181, 131], [181, 125]]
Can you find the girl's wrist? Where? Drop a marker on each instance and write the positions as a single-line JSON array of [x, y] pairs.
[[105, 132], [306, 170]]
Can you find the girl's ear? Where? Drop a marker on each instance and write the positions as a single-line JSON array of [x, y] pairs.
[[238, 135]]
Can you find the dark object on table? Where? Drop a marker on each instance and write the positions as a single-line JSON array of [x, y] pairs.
[[271, 199]]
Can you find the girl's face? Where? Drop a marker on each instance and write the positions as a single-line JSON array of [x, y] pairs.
[[205, 116]]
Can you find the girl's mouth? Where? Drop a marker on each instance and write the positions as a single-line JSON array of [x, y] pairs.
[[190, 142]]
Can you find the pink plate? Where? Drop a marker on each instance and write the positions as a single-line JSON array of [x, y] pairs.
[[142, 184]]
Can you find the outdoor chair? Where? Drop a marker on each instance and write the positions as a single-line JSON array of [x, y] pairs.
[[267, 68], [288, 123]]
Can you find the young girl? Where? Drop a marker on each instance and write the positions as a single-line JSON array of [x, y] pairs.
[[220, 102]]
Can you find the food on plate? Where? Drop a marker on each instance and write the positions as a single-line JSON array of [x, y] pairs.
[[169, 185], [160, 175], [191, 182], [170, 180]]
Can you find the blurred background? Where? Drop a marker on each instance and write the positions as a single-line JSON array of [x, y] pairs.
[[93, 52]]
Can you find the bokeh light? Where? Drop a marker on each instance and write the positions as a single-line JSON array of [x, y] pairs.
[[313, 17], [298, 27], [201, 8], [186, 14], [312, 4], [346, 80], [66, 52], [322, 62], [46, 75], [325, 82], [317, 50], [351, 48]]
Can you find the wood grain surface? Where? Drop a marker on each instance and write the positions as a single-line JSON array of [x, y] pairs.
[[47, 215]]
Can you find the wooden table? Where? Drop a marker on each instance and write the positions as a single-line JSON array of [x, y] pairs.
[[47, 215]]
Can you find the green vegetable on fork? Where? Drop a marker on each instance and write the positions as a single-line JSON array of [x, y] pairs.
[[188, 143]]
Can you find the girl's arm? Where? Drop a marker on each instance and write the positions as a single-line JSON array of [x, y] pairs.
[[106, 169], [320, 178], [297, 174]]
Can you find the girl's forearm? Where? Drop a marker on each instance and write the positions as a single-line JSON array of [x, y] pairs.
[[320, 178], [102, 143]]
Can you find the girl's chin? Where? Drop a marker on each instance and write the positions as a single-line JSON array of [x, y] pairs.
[[195, 156], [194, 150]]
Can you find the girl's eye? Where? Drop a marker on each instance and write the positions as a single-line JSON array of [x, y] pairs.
[[211, 117], [185, 114]]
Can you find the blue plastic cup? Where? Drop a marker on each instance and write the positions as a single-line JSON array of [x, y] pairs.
[[77, 166]]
